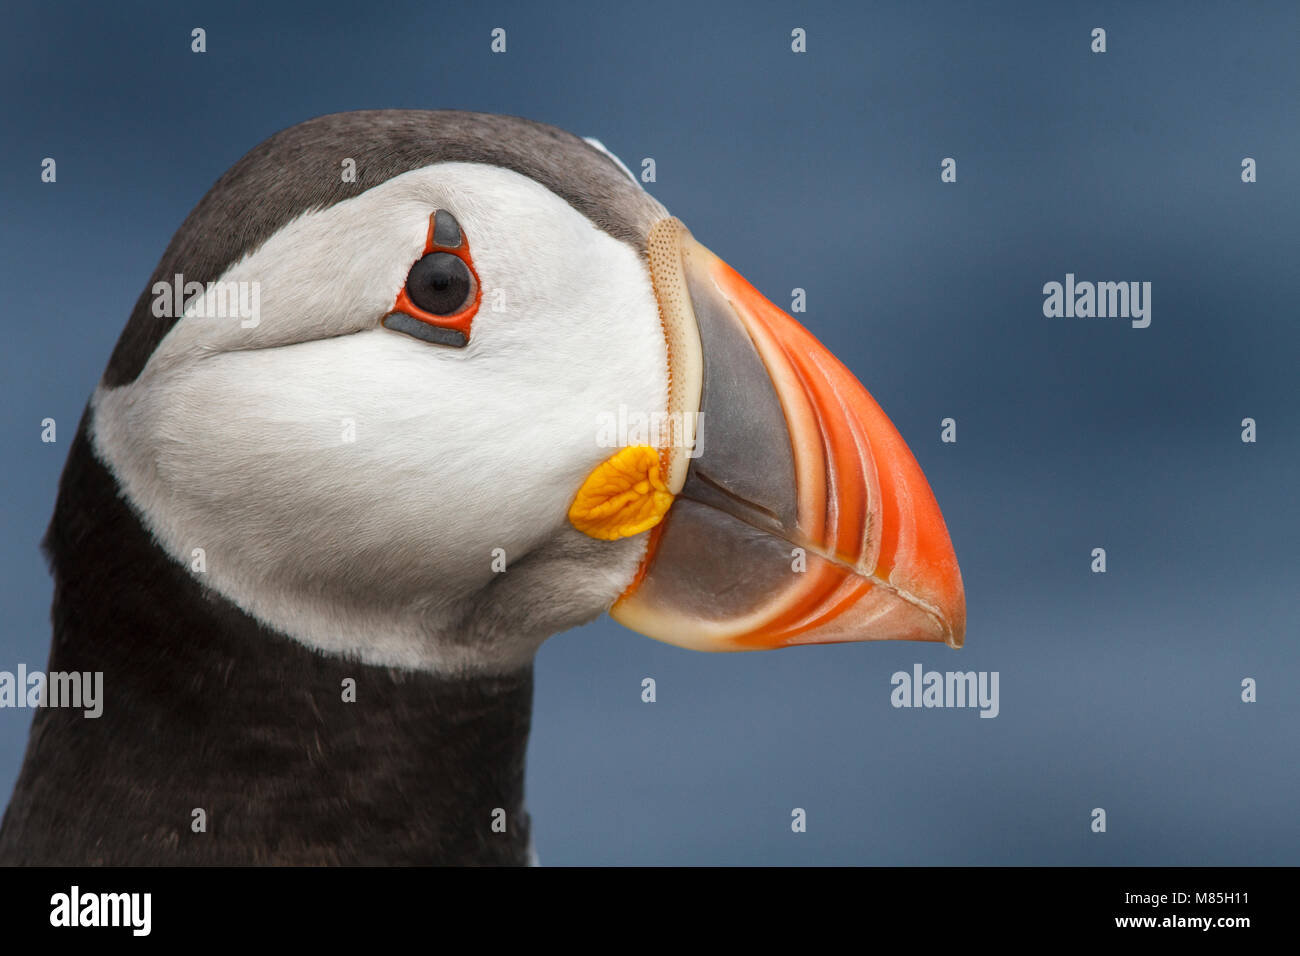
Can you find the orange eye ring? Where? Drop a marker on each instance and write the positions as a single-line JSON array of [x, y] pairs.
[[445, 237]]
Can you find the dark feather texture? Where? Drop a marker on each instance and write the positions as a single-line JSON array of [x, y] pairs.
[[205, 708]]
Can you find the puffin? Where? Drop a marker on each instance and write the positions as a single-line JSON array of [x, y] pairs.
[[472, 386]]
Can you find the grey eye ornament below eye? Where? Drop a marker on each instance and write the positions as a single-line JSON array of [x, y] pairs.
[[442, 292]]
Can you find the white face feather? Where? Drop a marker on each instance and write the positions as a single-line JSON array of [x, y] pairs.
[[235, 440]]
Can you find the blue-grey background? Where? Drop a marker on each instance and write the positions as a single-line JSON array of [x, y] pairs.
[[819, 171]]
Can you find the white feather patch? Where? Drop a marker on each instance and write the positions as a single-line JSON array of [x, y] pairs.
[[350, 485]]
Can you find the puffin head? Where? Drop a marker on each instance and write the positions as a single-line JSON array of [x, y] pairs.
[[424, 388]]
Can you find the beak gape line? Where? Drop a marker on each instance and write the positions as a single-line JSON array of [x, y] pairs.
[[442, 291]]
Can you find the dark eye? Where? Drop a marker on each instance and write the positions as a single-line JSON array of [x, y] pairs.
[[440, 284]]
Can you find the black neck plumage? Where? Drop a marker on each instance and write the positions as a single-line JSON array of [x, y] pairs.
[[223, 742]]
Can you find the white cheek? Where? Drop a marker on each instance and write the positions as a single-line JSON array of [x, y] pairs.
[[312, 454], [345, 489]]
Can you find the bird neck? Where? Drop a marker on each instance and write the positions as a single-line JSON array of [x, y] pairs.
[[221, 741]]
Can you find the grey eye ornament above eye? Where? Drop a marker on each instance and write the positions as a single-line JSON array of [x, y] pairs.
[[442, 292]]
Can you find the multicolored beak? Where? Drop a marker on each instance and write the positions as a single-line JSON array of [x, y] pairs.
[[800, 515]]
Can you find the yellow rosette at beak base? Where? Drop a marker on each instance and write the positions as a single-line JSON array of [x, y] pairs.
[[624, 495]]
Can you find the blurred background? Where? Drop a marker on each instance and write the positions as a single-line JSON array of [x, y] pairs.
[[1119, 690]]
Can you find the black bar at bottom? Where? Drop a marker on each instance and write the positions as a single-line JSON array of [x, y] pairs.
[[437, 906]]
